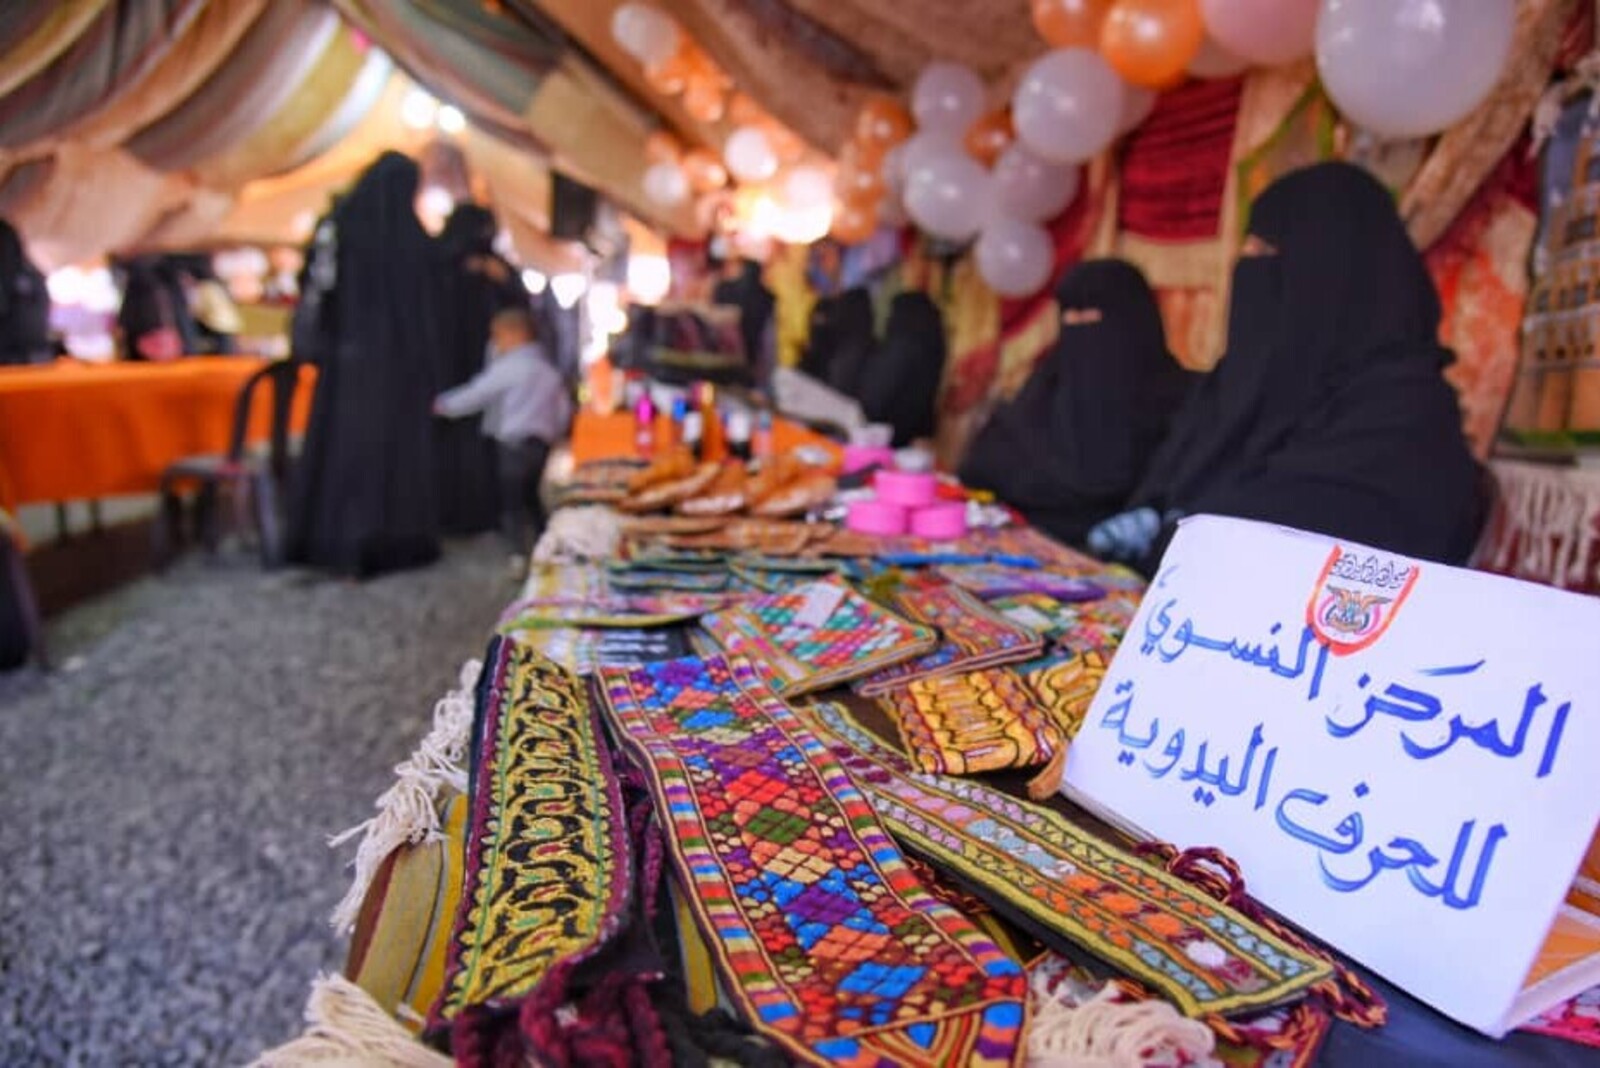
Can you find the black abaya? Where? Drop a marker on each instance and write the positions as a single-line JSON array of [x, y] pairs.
[[364, 500], [841, 340], [755, 303], [899, 385], [474, 284], [1073, 443], [1329, 411], [24, 304]]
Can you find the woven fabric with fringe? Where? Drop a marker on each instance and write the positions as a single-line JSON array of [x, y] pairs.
[[548, 872], [408, 812], [1070, 890], [825, 941]]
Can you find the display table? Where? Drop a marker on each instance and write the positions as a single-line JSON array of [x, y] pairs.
[[74, 431]]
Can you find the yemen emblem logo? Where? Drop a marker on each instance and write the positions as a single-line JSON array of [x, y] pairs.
[[1357, 597]]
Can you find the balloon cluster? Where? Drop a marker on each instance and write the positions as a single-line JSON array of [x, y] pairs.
[[673, 64]]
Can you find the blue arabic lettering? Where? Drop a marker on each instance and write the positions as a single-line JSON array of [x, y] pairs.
[[1487, 735]]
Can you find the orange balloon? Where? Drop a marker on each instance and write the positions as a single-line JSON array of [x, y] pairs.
[[706, 172], [1150, 43], [786, 144], [853, 224], [703, 100], [670, 76], [662, 147], [990, 136], [743, 111], [1070, 23], [858, 184], [882, 123]]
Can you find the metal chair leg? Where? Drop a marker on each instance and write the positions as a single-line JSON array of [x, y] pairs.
[[268, 522], [28, 604]]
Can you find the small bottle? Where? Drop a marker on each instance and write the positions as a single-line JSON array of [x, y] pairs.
[[694, 432], [680, 411], [644, 425], [738, 435], [761, 442]]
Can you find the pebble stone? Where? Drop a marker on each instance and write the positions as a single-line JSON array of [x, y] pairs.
[[165, 804]]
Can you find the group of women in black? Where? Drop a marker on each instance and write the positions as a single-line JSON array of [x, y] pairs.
[[1328, 411], [391, 317]]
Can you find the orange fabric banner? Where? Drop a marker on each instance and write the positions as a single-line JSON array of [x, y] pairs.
[[72, 431]]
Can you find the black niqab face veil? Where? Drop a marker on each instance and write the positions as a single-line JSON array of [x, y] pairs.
[[470, 231], [1328, 411], [1072, 444]]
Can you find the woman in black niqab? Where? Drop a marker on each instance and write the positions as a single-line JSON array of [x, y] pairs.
[[1073, 443], [24, 304], [899, 385], [1329, 412], [755, 302], [840, 340], [475, 283], [364, 500]]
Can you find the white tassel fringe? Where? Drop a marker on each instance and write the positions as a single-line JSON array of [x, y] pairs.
[[408, 812], [344, 1026], [1104, 1032]]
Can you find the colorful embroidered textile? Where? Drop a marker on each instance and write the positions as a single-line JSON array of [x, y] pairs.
[[997, 580], [823, 936], [548, 871], [1040, 613], [569, 581], [677, 579], [774, 574], [582, 650], [603, 481], [975, 721], [974, 635], [1070, 890], [607, 610], [1098, 626], [1065, 685], [817, 635], [1577, 1020]]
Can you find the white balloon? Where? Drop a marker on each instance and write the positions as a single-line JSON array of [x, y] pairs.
[[749, 155], [894, 169], [646, 33], [1031, 189], [921, 147], [1067, 106], [947, 97], [806, 186], [948, 195], [1270, 32], [1014, 257], [1409, 68], [1137, 104], [666, 184], [1214, 61]]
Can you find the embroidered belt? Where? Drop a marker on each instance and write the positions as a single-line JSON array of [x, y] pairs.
[[974, 635], [977, 721], [1070, 889], [548, 873], [823, 936]]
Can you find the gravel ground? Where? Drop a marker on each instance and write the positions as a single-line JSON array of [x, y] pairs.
[[166, 796]]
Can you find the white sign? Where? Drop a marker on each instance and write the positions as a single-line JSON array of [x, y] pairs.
[[1403, 757]]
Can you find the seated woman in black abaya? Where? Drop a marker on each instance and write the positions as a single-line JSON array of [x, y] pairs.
[[364, 494], [1329, 412], [1074, 442]]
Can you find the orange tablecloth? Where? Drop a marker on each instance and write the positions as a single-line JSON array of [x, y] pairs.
[[72, 431], [597, 436]]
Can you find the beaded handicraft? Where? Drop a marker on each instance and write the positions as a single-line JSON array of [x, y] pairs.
[[971, 722], [824, 938], [816, 635], [973, 635], [1070, 890]]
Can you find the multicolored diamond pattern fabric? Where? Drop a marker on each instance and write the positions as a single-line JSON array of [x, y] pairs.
[[974, 635], [1070, 890], [822, 934], [817, 634], [972, 722], [607, 610], [548, 874]]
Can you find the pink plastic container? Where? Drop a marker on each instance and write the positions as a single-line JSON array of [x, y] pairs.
[[876, 517], [860, 457], [940, 522], [905, 488]]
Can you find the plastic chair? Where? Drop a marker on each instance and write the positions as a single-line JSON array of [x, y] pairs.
[[252, 480], [26, 604]]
